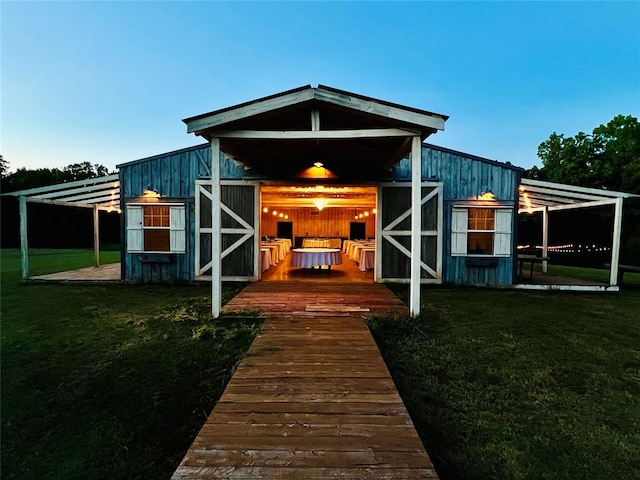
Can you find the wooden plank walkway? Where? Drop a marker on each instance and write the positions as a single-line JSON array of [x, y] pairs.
[[313, 398], [325, 299]]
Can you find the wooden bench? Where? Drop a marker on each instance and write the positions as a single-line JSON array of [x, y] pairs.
[[622, 269]]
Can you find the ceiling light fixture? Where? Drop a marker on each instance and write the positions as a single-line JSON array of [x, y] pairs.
[[320, 203]]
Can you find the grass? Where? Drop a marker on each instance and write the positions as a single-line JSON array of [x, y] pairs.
[[107, 381], [522, 385], [43, 261], [598, 275]]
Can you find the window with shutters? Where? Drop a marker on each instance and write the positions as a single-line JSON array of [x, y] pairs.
[[481, 232], [156, 228]]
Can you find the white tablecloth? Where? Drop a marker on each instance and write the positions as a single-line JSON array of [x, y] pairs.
[[312, 243], [367, 258], [287, 242], [275, 251], [315, 257], [265, 256], [353, 250]]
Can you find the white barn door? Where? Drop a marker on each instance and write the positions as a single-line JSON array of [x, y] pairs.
[[394, 233], [238, 219]]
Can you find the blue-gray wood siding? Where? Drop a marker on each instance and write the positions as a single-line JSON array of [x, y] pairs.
[[464, 177], [173, 175]]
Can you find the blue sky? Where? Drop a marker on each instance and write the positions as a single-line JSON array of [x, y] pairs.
[[110, 82]]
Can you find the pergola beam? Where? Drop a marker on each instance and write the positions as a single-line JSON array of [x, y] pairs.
[[66, 186], [101, 206], [69, 192], [568, 206]]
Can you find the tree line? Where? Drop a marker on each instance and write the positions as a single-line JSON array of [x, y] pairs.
[[23, 178]]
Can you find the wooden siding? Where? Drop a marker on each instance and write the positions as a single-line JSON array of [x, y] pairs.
[[330, 222], [464, 178], [173, 175]]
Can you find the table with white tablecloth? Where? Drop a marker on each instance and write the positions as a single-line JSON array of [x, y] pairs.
[[367, 258], [274, 249], [315, 243], [315, 257], [353, 251], [287, 242], [265, 258], [321, 243]]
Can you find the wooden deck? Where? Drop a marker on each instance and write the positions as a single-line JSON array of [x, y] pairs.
[[313, 398], [318, 299], [103, 273]]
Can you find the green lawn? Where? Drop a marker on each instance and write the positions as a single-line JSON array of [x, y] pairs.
[[522, 385], [111, 381], [43, 261], [599, 275], [114, 381]]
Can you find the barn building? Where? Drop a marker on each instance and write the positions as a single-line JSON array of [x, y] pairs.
[[317, 164]]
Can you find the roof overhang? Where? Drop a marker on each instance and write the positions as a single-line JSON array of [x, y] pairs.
[[536, 196], [102, 193], [284, 134]]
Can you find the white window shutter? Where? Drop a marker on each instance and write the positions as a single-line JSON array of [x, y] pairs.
[[134, 228], [502, 240], [177, 235], [459, 223]]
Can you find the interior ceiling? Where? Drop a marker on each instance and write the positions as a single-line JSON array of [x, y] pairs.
[[302, 196], [361, 159]]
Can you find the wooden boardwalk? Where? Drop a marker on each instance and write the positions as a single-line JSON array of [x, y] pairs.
[[318, 299], [313, 398]]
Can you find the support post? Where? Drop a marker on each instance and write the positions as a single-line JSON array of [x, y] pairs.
[[615, 247], [216, 281], [545, 237], [24, 244], [96, 236], [416, 225]]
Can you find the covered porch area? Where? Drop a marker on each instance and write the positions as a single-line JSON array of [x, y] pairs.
[[97, 195], [310, 137], [535, 269]]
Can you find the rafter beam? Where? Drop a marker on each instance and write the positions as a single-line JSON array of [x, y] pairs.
[[313, 135]]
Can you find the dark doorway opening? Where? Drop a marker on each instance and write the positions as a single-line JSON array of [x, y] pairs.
[[357, 231], [285, 230]]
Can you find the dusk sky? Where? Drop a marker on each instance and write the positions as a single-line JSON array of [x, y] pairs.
[[110, 82]]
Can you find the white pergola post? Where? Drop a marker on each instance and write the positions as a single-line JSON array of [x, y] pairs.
[[96, 235], [24, 244], [615, 247], [216, 282], [416, 225], [545, 237]]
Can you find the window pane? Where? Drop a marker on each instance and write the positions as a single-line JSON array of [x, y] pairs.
[[156, 240], [480, 243], [481, 218], [156, 216]]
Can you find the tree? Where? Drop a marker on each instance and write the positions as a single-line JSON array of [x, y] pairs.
[[4, 166], [608, 158], [23, 179]]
